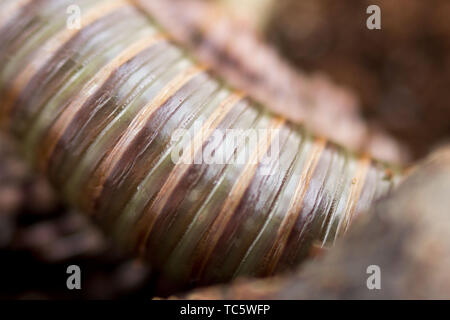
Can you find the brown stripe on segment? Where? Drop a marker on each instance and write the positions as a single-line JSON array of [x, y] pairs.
[[60, 70], [148, 148], [107, 165], [295, 206], [197, 188], [91, 118], [213, 235], [58, 129], [255, 209], [12, 37], [49, 49], [146, 223], [263, 241], [363, 166], [319, 207], [338, 178]]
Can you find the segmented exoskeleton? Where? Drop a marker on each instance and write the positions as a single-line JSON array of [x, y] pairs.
[[97, 108]]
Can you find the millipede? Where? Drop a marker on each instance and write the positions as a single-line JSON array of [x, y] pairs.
[[95, 109]]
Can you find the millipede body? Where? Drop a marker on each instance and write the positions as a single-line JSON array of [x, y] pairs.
[[98, 109]]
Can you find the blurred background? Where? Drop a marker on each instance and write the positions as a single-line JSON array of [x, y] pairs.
[[398, 75]]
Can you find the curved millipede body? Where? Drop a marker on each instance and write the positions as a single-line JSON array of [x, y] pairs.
[[97, 110]]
